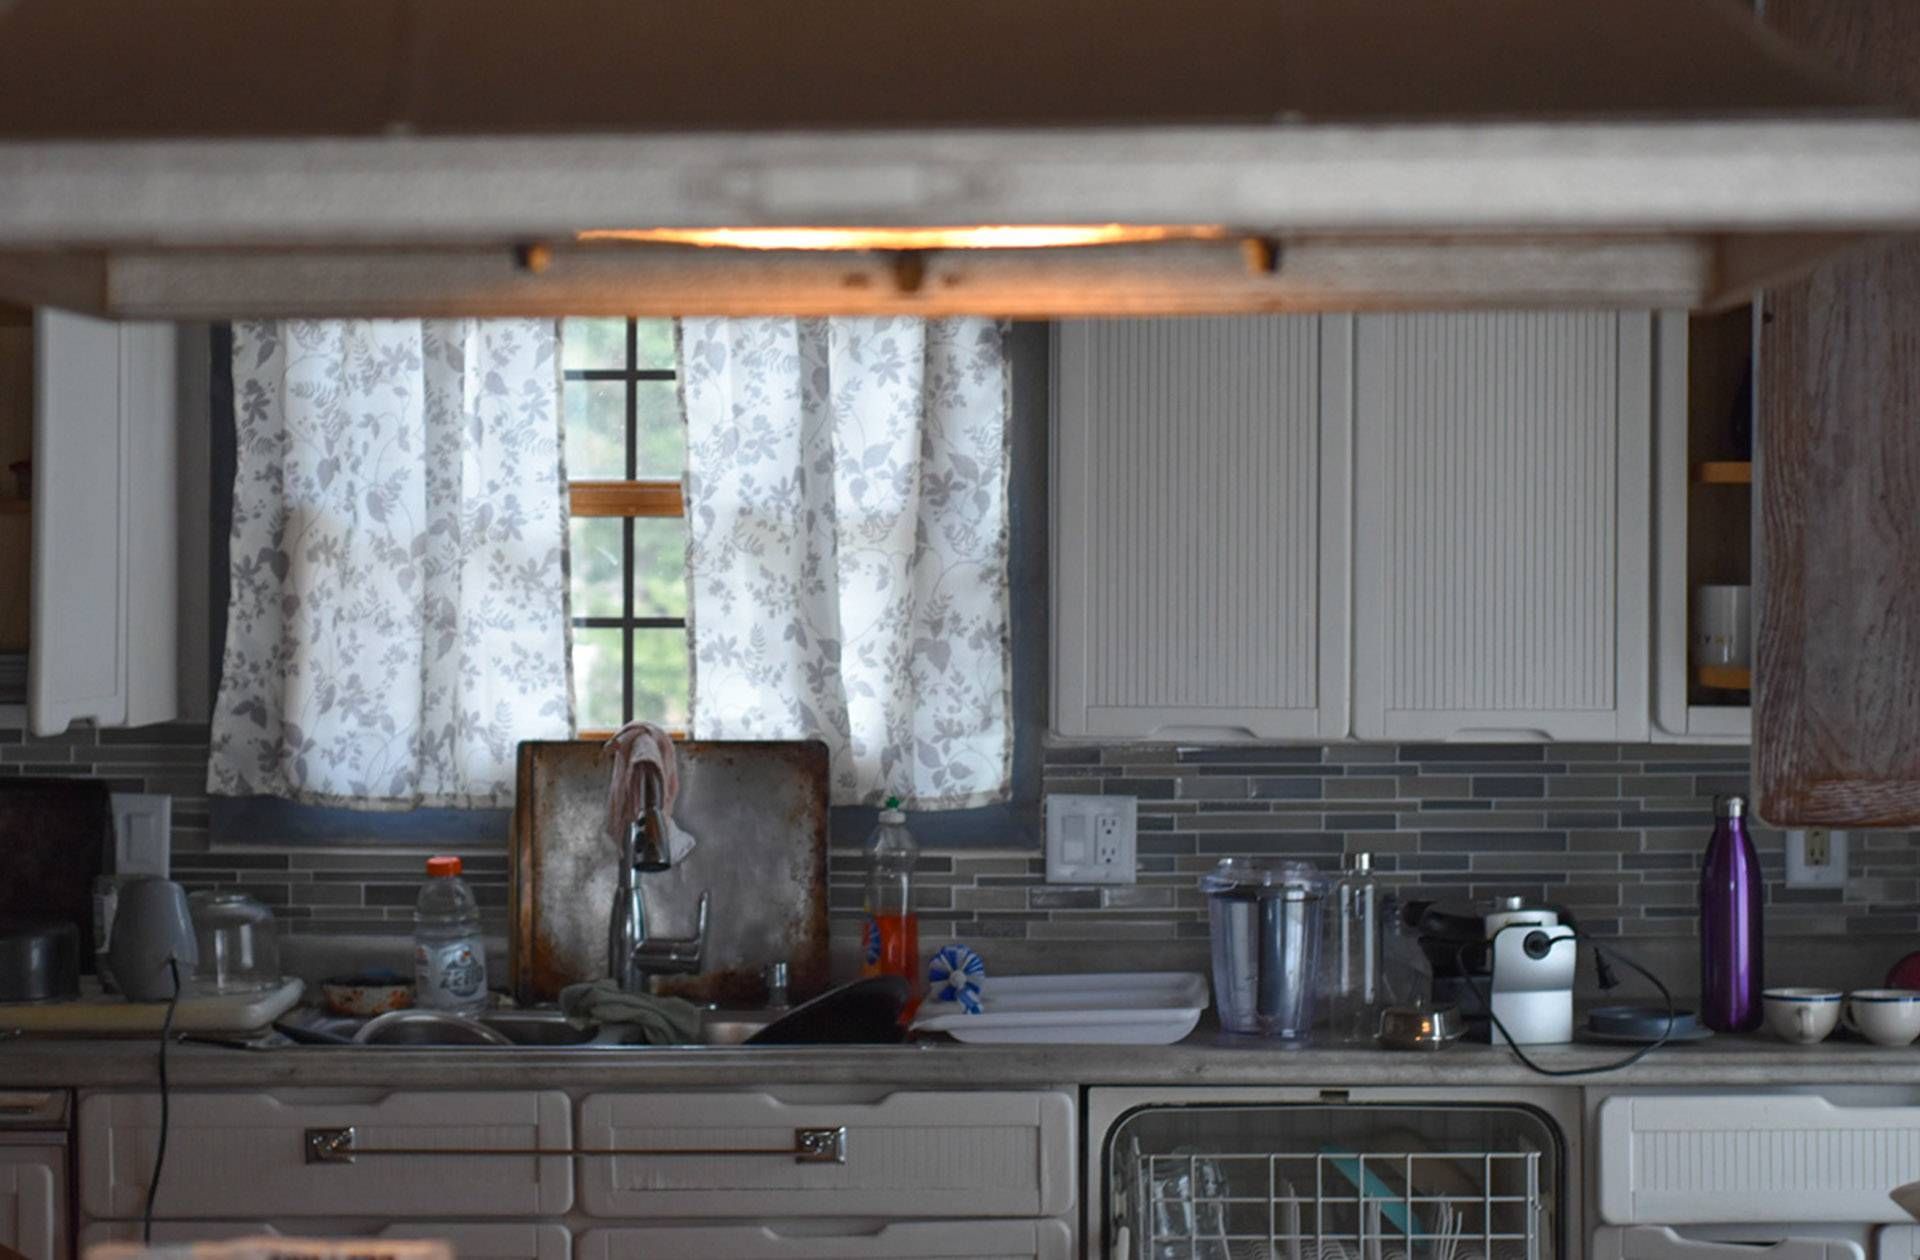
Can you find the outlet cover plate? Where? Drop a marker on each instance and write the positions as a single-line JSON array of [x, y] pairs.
[[1092, 839], [1808, 866]]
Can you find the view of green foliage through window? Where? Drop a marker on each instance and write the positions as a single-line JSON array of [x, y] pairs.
[[626, 445]]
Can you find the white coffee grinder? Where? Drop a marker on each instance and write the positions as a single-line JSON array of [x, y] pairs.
[[1533, 955]]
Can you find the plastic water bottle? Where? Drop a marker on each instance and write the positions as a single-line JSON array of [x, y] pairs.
[[449, 956], [891, 940]]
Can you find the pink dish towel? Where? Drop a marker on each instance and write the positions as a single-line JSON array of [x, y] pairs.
[[640, 744]]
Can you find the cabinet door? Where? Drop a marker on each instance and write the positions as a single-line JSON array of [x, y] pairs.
[[1837, 675], [1501, 568], [908, 1154], [33, 1208], [921, 1240], [246, 1154], [105, 582], [1200, 526]]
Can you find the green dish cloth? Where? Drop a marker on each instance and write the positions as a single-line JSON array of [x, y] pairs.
[[665, 1021]]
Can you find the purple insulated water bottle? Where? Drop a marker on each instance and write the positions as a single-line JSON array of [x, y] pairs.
[[1730, 925]]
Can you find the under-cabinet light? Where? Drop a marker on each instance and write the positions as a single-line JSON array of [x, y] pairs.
[[1002, 236]]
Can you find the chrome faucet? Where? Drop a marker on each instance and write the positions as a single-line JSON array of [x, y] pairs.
[[634, 957]]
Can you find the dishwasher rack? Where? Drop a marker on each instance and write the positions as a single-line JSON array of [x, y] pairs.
[[1339, 1205]]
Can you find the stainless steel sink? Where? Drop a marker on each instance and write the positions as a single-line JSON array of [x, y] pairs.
[[535, 1029], [731, 1028]]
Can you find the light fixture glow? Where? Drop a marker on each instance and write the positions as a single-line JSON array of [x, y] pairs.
[[1005, 236]]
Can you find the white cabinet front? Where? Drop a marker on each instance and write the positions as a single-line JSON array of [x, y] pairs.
[[1200, 521], [730, 1155], [246, 1155], [105, 585], [33, 1210], [920, 1240], [1501, 554]]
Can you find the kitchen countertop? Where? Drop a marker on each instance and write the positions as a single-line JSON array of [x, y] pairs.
[[1206, 1058]]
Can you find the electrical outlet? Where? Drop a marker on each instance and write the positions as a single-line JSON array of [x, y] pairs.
[[1091, 839], [1816, 858]]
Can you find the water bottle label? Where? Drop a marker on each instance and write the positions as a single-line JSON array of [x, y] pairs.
[[455, 970]]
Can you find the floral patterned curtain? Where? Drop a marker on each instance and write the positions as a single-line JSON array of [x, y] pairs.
[[847, 547], [398, 617]]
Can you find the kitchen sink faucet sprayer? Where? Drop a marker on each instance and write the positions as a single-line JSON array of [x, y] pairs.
[[633, 955]]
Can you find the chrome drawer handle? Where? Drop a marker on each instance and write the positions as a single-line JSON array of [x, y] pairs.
[[810, 1146]]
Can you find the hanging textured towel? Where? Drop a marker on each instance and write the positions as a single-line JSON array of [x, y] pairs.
[[640, 744]]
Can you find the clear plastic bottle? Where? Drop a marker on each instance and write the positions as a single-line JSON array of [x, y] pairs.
[[891, 941], [449, 956], [1352, 956]]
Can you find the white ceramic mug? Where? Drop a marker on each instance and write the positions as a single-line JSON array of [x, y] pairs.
[[1803, 1017], [1886, 1017], [1723, 625]]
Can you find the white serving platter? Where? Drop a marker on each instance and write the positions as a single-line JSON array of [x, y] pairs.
[[1152, 1008]]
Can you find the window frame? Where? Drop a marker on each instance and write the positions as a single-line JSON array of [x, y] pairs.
[[628, 499]]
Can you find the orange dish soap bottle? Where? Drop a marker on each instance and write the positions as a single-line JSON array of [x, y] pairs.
[[890, 944]]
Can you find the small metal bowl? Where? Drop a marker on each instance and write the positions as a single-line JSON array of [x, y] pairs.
[[1420, 1027]]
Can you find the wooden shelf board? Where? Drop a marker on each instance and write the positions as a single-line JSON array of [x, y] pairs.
[[1724, 677], [1724, 472]]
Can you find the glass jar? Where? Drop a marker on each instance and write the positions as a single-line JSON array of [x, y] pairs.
[[239, 945]]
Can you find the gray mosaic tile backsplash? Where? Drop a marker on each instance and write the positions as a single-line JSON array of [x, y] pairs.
[[1615, 831]]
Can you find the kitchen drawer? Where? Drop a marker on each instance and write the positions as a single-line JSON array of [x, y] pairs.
[[1705, 1159], [493, 1240], [1655, 1242], [918, 1240], [245, 1155], [907, 1154]]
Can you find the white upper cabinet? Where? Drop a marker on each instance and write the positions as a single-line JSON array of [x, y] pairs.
[[1501, 553], [105, 575], [1200, 528]]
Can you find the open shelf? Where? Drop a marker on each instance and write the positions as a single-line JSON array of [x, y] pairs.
[[1724, 472], [1724, 677]]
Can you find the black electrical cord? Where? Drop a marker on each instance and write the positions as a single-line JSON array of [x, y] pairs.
[[160, 1155], [1666, 995]]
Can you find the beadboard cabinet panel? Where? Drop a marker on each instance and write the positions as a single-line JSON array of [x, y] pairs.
[[1837, 617], [105, 577], [1502, 554], [1200, 577]]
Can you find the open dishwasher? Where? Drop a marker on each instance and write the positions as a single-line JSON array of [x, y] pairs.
[[1310, 1174]]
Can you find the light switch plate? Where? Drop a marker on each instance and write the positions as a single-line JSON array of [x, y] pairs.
[[1091, 839], [1816, 858], [142, 833]]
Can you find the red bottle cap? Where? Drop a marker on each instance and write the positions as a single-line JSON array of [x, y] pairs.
[[443, 866]]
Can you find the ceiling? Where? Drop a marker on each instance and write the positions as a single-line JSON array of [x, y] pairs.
[[360, 157]]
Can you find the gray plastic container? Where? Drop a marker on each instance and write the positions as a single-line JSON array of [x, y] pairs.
[[1265, 917]]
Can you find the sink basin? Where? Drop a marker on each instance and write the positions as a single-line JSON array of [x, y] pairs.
[[540, 1028], [731, 1028]]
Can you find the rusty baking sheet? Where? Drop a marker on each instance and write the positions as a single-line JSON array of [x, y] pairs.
[[759, 814]]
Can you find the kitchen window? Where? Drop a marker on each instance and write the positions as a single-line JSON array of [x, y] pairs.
[[626, 447]]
